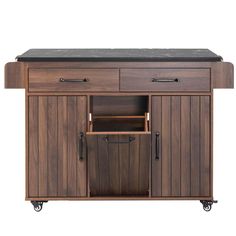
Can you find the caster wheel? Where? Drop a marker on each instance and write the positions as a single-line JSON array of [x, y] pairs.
[[207, 207], [38, 206]]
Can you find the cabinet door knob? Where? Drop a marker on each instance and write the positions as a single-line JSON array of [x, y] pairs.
[[157, 156]]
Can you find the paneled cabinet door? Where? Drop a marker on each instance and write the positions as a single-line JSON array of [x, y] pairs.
[[181, 141], [56, 151]]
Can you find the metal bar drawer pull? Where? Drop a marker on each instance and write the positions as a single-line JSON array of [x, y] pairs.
[[165, 80], [84, 80], [106, 139], [157, 157]]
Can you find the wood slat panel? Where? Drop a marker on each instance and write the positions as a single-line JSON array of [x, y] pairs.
[[43, 154], [175, 145], [93, 165], [185, 134], [195, 145], [52, 145], [72, 147], [114, 166], [205, 146], [156, 164], [124, 156], [185, 147], [62, 145], [121, 168], [81, 164], [103, 165], [144, 158], [166, 146], [134, 163], [33, 158]]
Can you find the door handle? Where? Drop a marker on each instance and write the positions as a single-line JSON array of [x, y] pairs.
[[80, 145], [106, 139], [84, 80], [165, 80], [157, 156]]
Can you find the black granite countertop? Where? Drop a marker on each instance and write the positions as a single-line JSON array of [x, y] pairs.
[[119, 55]]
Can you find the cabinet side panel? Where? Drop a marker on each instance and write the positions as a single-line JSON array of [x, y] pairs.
[[81, 164], [222, 74], [62, 145], [52, 146], [195, 145], [156, 164], [175, 142], [43, 172], [33, 158], [14, 75], [205, 146], [166, 146], [185, 146]]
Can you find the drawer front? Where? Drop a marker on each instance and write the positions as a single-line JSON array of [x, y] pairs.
[[118, 164], [73, 80], [165, 80]]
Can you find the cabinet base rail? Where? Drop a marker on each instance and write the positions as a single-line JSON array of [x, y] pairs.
[[206, 202]]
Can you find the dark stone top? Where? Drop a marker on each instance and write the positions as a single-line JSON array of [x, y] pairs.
[[119, 55]]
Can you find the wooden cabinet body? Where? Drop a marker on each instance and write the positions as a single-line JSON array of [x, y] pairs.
[[119, 128]]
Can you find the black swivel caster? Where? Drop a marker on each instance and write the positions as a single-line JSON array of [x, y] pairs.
[[38, 205], [207, 205]]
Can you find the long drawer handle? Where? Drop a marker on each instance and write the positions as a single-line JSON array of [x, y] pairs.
[[164, 80], [157, 157], [84, 80], [80, 145], [106, 139]]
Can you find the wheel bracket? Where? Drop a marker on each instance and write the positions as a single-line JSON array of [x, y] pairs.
[[38, 205], [207, 204]]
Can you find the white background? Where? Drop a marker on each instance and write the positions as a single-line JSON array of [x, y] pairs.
[[28, 24]]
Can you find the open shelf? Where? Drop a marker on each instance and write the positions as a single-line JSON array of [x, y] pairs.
[[118, 114]]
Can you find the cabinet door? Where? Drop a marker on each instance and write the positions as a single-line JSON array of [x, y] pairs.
[[56, 166], [183, 145], [119, 164]]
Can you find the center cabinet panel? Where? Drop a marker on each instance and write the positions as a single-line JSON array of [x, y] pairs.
[[181, 146], [56, 148], [119, 164], [119, 146]]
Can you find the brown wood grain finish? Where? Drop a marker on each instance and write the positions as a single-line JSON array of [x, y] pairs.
[[222, 74], [33, 156], [118, 168], [74, 80], [54, 167], [165, 80], [184, 165], [15, 76]]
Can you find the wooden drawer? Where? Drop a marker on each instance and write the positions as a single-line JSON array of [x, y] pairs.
[[73, 80], [165, 80], [120, 161]]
